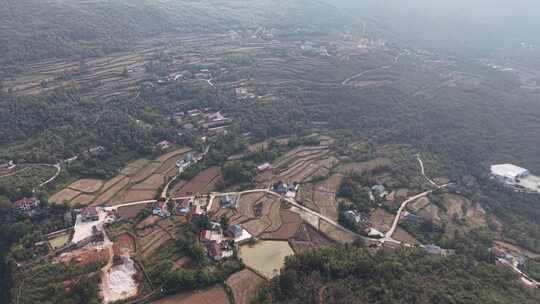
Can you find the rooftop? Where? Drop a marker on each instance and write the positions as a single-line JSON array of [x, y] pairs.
[[508, 170]]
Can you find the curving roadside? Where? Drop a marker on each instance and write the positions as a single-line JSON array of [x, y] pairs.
[[58, 170]]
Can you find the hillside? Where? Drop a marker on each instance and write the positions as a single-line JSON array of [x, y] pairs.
[[353, 275], [32, 29]]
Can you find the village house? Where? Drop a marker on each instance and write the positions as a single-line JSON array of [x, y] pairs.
[[218, 251], [206, 236], [196, 210], [26, 203], [163, 145], [95, 151], [264, 167], [89, 214], [182, 208], [228, 202], [161, 209], [235, 231]]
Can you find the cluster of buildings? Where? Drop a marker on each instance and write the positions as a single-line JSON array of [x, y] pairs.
[[221, 244], [378, 191], [287, 190], [363, 224], [209, 122]]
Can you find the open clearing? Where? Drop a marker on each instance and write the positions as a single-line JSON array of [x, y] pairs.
[[336, 234], [106, 196], [245, 286], [198, 184], [83, 199], [59, 241], [214, 295], [265, 257], [66, 195], [381, 220], [129, 212], [87, 185]]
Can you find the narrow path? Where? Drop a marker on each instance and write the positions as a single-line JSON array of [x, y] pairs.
[[395, 61], [58, 170], [390, 232], [424, 172]]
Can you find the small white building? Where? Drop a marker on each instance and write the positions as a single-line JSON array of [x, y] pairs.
[[508, 173]]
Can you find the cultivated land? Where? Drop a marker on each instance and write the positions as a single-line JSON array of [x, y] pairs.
[[309, 220], [245, 286]]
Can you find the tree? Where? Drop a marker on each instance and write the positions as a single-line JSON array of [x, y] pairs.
[[224, 222]]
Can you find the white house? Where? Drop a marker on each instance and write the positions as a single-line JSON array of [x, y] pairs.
[[508, 173]]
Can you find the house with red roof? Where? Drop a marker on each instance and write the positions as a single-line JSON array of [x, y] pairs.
[[26, 203]]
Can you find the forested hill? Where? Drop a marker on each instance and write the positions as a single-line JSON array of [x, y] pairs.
[[353, 275], [36, 29]]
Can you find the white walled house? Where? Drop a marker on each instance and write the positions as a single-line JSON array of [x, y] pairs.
[[508, 173]]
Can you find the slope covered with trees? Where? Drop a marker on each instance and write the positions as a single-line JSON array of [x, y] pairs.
[[354, 275]]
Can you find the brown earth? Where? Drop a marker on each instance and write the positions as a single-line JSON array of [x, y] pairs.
[[153, 182], [87, 185], [245, 286], [196, 184], [65, 195], [403, 236], [145, 172], [165, 157], [129, 212], [255, 227], [381, 220], [124, 244], [366, 166], [214, 295], [336, 234], [106, 196], [83, 199]]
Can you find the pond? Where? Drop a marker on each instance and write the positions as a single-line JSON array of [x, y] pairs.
[[266, 257]]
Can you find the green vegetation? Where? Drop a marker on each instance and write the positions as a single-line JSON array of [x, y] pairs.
[[58, 283], [354, 275], [532, 268]]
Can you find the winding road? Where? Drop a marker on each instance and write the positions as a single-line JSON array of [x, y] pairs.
[[395, 61], [387, 237]]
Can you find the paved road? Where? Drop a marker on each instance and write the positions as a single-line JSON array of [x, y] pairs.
[[387, 236]]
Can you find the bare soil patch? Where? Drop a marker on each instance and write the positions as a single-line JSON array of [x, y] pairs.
[[197, 184], [255, 227], [137, 195], [151, 183], [124, 244], [165, 157], [336, 234], [66, 194], [366, 166], [85, 256], [382, 220], [129, 212], [87, 185], [106, 196], [290, 224], [245, 286], [145, 172], [112, 182], [83, 199], [214, 295], [403, 236]]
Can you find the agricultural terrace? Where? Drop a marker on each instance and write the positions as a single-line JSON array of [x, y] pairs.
[[139, 180]]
